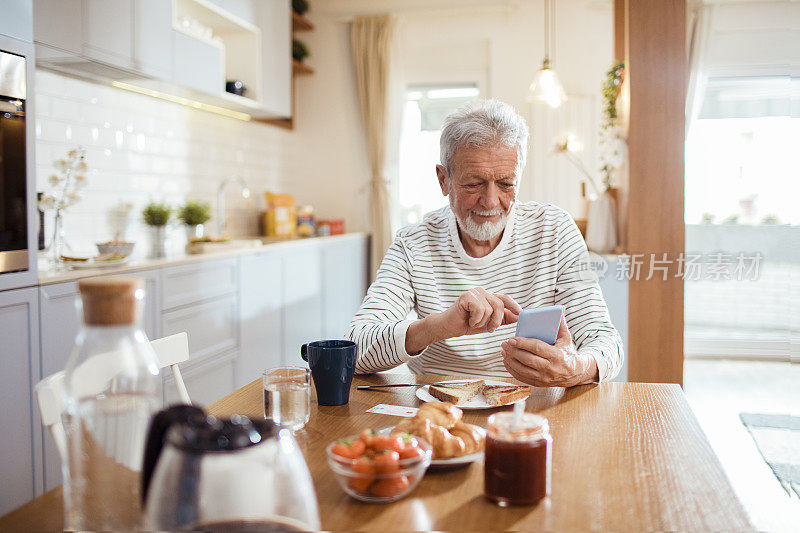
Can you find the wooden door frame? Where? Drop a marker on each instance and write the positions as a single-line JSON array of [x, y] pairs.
[[650, 36]]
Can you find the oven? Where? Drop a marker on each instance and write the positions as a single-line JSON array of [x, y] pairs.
[[14, 219]]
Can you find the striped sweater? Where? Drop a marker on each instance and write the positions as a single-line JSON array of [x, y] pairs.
[[541, 260]]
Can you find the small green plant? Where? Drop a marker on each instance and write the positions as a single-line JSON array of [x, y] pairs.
[[612, 143], [300, 6], [707, 218], [771, 220], [194, 212], [611, 91], [733, 219], [156, 214], [299, 50]]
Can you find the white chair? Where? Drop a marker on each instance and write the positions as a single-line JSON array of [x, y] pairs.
[[49, 391], [171, 351]]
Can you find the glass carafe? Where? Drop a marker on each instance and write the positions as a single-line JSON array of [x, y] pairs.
[[237, 474], [112, 388]]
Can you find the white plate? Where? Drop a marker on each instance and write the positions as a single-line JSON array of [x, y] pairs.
[[476, 402], [452, 461], [91, 263]]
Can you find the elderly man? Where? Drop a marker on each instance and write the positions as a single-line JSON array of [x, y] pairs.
[[470, 268]]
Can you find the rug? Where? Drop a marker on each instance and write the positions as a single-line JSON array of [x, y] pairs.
[[777, 437]]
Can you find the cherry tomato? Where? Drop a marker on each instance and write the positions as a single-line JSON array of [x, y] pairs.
[[348, 449], [386, 462], [410, 447], [357, 448], [365, 469], [410, 452], [386, 442], [409, 440], [389, 487], [344, 448], [367, 435]]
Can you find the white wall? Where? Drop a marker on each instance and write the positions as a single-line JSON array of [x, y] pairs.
[[140, 148], [168, 152]]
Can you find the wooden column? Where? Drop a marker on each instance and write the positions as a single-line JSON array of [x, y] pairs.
[[655, 45]]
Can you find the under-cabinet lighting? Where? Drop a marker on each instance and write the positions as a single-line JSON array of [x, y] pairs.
[[182, 101]]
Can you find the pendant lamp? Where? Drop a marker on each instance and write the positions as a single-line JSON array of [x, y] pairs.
[[546, 87]]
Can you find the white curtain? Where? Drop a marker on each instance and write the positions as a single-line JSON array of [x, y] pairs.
[[371, 38], [698, 26]]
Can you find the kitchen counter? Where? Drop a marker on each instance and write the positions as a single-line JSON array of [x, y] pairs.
[[49, 276]]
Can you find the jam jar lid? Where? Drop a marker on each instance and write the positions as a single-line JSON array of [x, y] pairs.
[[531, 426]]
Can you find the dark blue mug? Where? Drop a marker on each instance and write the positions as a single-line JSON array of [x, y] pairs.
[[332, 364]]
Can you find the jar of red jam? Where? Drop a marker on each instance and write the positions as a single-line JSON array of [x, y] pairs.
[[517, 459]]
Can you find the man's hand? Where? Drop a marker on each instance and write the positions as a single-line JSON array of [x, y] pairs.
[[537, 363], [475, 311], [478, 311]]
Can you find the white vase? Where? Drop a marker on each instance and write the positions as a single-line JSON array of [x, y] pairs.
[[196, 231], [601, 225], [158, 238]]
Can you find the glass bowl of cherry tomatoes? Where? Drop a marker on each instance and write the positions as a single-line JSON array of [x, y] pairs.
[[377, 467]]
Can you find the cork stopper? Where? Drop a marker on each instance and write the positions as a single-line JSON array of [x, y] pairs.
[[110, 301]]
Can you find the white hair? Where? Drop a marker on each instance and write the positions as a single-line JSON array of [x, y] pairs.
[[482, 123]]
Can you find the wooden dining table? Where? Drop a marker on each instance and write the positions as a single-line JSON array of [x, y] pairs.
[[626, 457]]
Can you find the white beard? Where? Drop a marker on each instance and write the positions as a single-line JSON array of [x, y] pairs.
[[481, 232]]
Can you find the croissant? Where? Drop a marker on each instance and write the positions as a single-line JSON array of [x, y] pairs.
[[440, 413], [472, 437], [444, 444]]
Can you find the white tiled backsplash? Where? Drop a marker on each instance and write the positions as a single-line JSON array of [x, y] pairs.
[[139, 149]]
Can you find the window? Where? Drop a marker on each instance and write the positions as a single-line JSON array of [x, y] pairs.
[[741, 201], [425, 107], [741, 154]]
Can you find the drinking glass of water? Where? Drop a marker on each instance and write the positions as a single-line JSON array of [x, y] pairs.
[[287, 396]]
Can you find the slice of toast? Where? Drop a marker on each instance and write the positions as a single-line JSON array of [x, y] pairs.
[[505, 394], [456, 393]]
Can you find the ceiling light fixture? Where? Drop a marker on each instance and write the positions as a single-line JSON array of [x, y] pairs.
[[545, 86]]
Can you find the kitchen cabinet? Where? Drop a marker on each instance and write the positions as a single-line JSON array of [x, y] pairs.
[[58, 24], [212, 327], [17, 20], [260, 315], [155, 44], [344, 284], [108, 31], [93, 37], [302, 304], [202, 299], [19, 331], [198, 65], [206, 382], [293, 296], [153, 47], [203, 280], [274, 18]]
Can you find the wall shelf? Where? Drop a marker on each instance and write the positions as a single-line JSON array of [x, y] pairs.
[[300, 69], [300, 23]]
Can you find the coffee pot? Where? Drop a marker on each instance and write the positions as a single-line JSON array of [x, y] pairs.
[[236, 474]]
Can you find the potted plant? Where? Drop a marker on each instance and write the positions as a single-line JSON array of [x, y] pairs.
[[299, 50], [156, 216], [300, 6], [194, 214]]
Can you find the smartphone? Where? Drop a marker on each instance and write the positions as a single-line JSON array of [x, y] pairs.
[[540, 323]]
